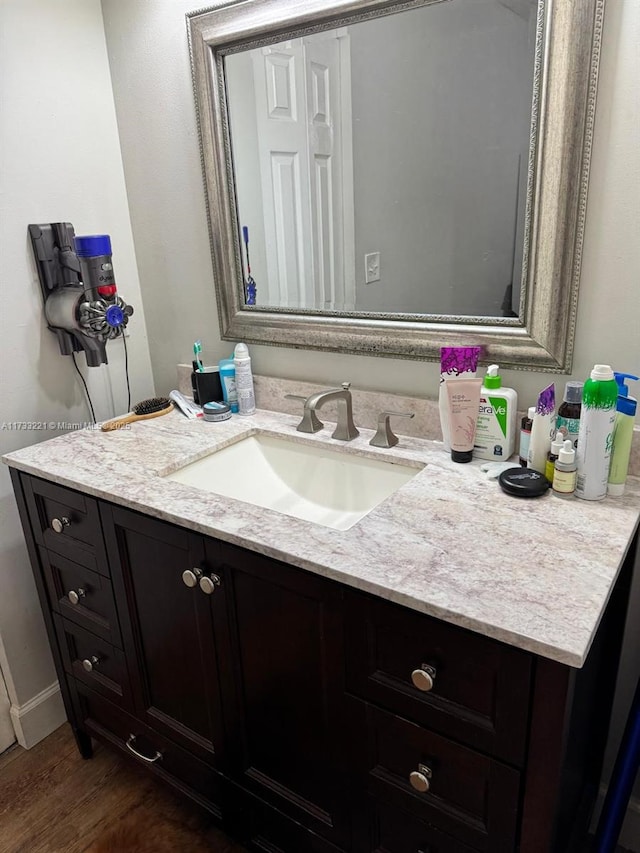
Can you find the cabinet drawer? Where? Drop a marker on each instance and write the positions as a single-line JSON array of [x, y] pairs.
[[172, 764], [69, 582], [469, 796], [392, 830], [66, 522], [267, 829], [93, 661], [480, 692]]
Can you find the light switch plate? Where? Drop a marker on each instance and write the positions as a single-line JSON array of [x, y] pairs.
[[372, 267]]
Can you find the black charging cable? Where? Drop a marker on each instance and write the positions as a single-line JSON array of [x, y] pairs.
[[75, 364]]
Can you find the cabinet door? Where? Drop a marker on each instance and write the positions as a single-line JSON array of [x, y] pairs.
[[290, 713], [171, 631]]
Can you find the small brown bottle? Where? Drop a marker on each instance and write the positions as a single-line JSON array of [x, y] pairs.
[[568, 419]]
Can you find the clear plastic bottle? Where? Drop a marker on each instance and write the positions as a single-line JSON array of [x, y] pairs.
[[565, 470], [244, 380], [525, 435], [595, 439]]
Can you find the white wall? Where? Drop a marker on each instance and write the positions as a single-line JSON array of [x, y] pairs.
[[61, 161]]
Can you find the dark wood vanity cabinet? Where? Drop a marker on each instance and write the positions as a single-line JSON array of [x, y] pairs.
[[305, 715]]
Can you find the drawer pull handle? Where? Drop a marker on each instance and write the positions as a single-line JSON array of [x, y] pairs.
[[208, 584], [130, 741], [74, 595], [59, 524], [89, 663], [424, 677], [190, 577], [419, 778]]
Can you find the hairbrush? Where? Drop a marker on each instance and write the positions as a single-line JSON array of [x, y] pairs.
[[151, 408]]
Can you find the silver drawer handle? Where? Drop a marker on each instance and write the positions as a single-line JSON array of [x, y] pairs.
[[424, 677], [208, 584], [74, 596], [130, 741], [190, 577], [89, 663], [59, 524], [419, 778]]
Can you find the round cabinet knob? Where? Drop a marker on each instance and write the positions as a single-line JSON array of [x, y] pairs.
[[59, 524], [74, 595], [208, 584], [419, 778], [89, 663], [424, 677], [190, 577]]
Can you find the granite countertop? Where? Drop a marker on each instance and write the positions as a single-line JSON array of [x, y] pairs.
[[533, 573]]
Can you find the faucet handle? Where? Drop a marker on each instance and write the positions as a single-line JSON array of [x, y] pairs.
[[346, 386], [310, 421], [384, 437]]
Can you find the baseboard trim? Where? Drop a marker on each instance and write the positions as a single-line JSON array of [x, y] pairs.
[[38, 717]]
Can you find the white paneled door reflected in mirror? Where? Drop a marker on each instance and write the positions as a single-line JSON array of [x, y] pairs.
[[403, 175]]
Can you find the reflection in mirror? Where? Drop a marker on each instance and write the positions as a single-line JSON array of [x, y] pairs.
[[438, 196], [383, 166]]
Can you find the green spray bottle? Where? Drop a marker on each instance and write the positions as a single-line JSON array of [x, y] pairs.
[[595, 438]]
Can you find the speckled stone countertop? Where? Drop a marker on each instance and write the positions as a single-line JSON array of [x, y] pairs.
[[533, 573]]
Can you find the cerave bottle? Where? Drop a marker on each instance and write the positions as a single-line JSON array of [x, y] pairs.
[[595, 438], [495, 436]]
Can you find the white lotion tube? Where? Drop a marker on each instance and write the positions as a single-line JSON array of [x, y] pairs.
[[544, 421], [464, 401]]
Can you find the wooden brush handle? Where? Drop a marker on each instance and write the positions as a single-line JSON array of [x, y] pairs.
[[131, 417], [118, 422]]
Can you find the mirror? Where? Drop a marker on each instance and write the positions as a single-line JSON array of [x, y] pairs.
[[403, 175]]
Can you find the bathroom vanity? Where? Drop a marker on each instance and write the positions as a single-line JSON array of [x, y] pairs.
[[436, 678]]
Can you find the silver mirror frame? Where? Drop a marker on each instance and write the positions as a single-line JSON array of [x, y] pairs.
[[565, 83]]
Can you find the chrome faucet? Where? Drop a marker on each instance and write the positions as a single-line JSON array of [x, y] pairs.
[[345, 428]]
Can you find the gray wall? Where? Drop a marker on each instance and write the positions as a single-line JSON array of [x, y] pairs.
[[436, 187]]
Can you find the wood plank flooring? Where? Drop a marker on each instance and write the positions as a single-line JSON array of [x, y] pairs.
[[53, 801]]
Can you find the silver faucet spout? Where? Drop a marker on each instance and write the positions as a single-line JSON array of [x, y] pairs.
[[345, 428]]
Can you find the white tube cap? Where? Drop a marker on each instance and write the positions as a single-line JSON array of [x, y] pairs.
[[602, 372], [616, 490]]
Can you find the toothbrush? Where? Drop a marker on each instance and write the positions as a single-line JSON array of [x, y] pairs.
[[197, 349]]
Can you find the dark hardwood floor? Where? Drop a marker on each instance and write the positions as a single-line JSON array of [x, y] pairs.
[[52, 801]]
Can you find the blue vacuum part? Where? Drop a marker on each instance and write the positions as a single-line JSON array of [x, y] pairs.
[[621, 783], [92, 245]]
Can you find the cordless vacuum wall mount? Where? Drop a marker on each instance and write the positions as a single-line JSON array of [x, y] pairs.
[[81, 301]]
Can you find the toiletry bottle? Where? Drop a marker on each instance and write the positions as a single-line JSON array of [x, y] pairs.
[[595, 439], [525, 435], [228, 382], [565, 471], [455, 363], [544, 421], [568, 420], [622, 436], [496, 428], [244, 380], [552, 456]]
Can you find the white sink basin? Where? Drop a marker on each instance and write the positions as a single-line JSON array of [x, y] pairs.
[[314, 483]]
